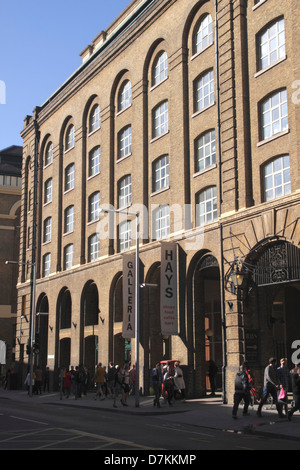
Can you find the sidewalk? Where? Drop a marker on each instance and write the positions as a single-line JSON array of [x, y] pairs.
[[207, 412]]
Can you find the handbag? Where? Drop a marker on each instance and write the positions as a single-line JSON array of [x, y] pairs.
[[282, 394]]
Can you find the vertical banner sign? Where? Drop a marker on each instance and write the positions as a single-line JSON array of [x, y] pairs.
[[128, 295], [168, 296]]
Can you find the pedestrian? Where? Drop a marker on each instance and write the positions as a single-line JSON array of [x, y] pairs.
[[271, 387], [241, 392], [132, 380], [77, 382], [179, 383], [253, 391], [111, 379], [169, 385], [296, 393], [118, 382], [156, 379], [212, 375], [284, 378], [125, 384], [99, 379], [38, 380], [85, 380], [46, 379], [72, 380], [67, 384]]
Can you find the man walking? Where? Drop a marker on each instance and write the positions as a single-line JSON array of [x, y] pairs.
[[271, 386], [242, 392]]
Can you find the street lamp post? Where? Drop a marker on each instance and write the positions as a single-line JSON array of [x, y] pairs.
[[137, 297], [31, 318]]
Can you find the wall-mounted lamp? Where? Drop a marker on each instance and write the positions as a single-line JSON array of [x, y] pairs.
[[50, 328], [74, 324], [102, 320], [24, 317]]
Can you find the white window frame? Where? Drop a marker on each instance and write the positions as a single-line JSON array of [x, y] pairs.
[[161, 173], [46, 264], [48, 191], [94, 161], [124, 235], [276, 178], [206, 206], [204, 91], [161, 119], [124, 192], [271, 44], [93, 247], [94, 207], [95, 118], [205, 150], [204, 36], [125, 96], [161, 222], [47, 230], [69, 177], [124, 142], [49, 154], [69, 219], [160, 68], [274, 114], [70, 137], [68, 256]]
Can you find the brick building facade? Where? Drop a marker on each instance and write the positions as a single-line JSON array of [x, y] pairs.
[[187, 112]]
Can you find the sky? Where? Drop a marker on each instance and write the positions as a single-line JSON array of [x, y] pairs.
[[40, 43]]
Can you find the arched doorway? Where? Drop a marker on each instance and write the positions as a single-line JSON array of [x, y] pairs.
[[205, 328], [119, 347], [272, 300], [89, 320], [41, 331]]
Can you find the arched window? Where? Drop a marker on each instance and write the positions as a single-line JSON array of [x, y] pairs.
[[124, 142], [93, 247], [160, 173], [124, 192], [206, 206], [271, 44], [69, 219], [161, 222], [70, 137], [276, 178], [94, 161], [160, 119], [204, 90], [49, 154], [204, 34], [160, 68], [95, 120], [274, 114], [205, 151], [94, 206], [125, 96]]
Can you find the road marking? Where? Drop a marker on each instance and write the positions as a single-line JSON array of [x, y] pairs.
[[180, 430], [30, 420]]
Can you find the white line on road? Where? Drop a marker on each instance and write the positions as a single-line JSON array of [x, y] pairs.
[[30, 420]]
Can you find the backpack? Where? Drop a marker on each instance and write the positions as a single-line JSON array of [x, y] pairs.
[[241, 382]]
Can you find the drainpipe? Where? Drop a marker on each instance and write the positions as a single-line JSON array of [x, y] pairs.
[[222, 288]]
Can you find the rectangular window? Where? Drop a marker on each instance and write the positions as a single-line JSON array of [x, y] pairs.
[[124, 236], [161, 119], [161, 173]]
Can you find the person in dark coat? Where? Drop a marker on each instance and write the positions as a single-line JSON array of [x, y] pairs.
[[242, 391], [296, 393]]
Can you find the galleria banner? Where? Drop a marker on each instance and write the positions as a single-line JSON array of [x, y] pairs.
[[168, 296], [128, 296]]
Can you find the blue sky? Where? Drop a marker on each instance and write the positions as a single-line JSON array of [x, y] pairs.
[[40, 43]]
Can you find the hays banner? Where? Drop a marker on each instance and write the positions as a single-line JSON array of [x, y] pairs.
[[168, 289], [128, 296]]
